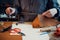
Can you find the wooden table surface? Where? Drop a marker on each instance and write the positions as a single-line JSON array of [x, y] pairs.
[[6, 35]]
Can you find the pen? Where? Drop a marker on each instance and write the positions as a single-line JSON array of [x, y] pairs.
[[44, 33]]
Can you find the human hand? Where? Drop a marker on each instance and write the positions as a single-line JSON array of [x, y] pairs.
[[47, 14], [8, 10]]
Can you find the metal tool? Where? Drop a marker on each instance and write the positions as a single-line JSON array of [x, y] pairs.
[[21, 33]]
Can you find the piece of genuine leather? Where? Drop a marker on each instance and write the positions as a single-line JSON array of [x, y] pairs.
[[5, 26], [43, 22]]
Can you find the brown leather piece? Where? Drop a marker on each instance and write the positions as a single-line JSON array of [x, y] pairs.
[[6, 24], [44, 22], [6, 36]]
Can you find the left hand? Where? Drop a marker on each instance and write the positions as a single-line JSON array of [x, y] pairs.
[[8, 10]]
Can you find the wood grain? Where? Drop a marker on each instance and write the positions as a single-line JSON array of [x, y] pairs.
[[6, 35]]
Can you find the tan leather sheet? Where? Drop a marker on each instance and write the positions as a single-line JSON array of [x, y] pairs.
[[43, 22]]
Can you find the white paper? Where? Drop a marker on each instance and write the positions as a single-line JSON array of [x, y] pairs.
[[30, 32]]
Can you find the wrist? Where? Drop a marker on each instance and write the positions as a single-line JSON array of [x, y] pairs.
[[53, 11]]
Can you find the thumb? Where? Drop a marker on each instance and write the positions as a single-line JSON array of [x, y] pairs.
[[45, 13]]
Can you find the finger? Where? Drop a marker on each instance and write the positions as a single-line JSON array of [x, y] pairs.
[[45, 13], [7, 10], [48, 15]]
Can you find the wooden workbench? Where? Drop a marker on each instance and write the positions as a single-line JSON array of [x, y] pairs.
[[6, 35]]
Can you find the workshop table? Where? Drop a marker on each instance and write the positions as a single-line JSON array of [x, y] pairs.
[[6, 35]]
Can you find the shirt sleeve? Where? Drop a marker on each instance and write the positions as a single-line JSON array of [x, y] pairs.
[[13, 10], [53, 11]]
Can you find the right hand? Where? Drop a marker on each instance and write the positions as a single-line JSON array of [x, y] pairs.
[[47, 14]]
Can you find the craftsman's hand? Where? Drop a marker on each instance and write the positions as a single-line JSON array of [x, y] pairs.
[[47, 14], [8, 10]]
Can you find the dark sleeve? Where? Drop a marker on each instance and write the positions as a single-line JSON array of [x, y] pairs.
[[56, 5], [19, 9], [49, 4], [17, 5]]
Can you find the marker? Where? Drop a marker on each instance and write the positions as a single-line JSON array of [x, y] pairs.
[[44, 33]]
